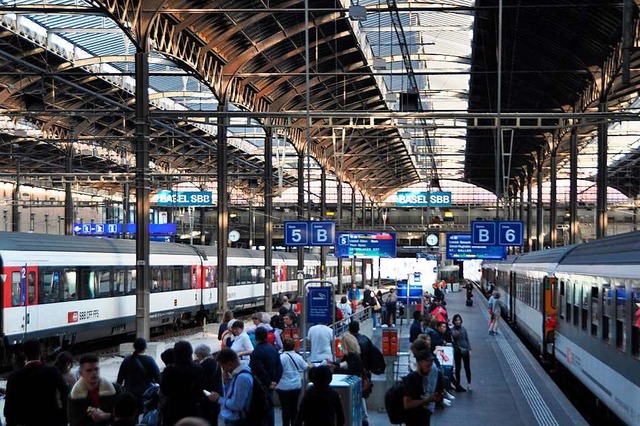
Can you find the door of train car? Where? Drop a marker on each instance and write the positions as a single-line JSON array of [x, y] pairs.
[[21, 301], [512, 297]]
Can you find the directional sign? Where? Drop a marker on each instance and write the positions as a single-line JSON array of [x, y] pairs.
[[510, 233], [110, 229], [483, 233], [459, 246], [365, 244], [296, 234], [322, 233]]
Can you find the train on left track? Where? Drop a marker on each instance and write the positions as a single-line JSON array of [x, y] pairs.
[[579, 305], [65, 290]]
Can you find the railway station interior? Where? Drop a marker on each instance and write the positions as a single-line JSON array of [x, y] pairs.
[[214, 123]]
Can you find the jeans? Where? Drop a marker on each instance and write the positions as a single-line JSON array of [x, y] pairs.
[[458, 358], [374, 315], [289, 403]]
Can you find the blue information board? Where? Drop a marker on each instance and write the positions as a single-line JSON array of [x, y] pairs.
[[483, 233], [296, 233], [320, 305], [112, 229], [459, 247], [414, 295], [510, 233], [365, 244]]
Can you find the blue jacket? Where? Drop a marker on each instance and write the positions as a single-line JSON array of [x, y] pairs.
[[352, 295], [237, 394], [265, 364], [414, 331]]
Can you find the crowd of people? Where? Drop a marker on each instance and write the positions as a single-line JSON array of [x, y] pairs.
[[255, 363]]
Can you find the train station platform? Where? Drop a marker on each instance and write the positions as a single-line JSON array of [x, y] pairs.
[[508, 384]]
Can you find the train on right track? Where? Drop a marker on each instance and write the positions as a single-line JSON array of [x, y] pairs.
[[580, 306]]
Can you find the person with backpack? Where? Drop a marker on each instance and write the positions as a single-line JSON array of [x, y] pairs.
[[419, 389], [345, 308], [266, 367], [238, 391], [138, 371], [261, 320]]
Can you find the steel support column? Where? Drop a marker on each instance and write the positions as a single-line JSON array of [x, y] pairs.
[[339, 228], [323, 215], [143, 188], [300, 208], [539, 208], [353, 226], [268, 216], [573, 187], [68, 196], [223, 212], [15, 202], [529, 211], [521, 209], [601, 179], [553, 204]]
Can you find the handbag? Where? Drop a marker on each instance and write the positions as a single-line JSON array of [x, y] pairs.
[[464, 351], [377, 306], [367, 384]]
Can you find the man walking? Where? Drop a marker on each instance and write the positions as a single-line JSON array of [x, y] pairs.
[[36, 394], [237, 392]]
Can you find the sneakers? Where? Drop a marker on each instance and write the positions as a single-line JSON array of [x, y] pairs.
[[448, 396], [468, 386], [491, 333], [460, 389], [446, 402]]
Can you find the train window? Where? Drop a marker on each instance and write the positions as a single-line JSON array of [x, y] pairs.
[[69, 285], [131, 281], [577, 289], [89, 284], [16, 289], [181, 278], [585, 311], [607, 313], [561, 302], [156, 279], [119, 282], [621, 333], [31, 282], [595, 311], [635, 330], [232, 276], [210, 276], [569, 299]]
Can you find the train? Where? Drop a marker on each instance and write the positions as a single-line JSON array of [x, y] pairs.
[[65, 290], [579, 305]]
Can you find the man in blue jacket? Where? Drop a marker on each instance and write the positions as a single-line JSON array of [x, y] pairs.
[[354, 296], [266, 366], [237, 392]]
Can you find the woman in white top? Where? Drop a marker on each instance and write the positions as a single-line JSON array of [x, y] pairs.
[[345, 307], [290, 384]]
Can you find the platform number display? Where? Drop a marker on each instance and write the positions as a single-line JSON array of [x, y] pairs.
[[510, 233], [500, 233], [309, 233]]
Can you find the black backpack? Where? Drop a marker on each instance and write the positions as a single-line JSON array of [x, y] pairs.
[[261, 403], [377, 365], [394, 403]]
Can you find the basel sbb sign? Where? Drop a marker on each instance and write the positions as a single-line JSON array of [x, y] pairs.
[[184, 198], [423, 199]]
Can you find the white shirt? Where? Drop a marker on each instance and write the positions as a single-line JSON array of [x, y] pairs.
[[321, 338], [242, 343], [292, 365]]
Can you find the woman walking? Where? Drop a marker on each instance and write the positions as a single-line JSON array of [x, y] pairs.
[[461, 352], [290, 385]]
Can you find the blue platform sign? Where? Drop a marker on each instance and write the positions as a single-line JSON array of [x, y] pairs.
[[296, 233], [459, 246], [309, 233], [510, 233], [113, 229], [423, 199], [483, 233], [320, 305], [185, 198], [409, 293], [322, 233], [365, 244]]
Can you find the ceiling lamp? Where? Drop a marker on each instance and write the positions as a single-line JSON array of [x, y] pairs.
[[357, 13]]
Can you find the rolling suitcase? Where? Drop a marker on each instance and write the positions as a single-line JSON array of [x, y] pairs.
[[469, 302]]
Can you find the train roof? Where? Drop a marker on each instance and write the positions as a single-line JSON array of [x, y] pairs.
[[554, 255], [25, 241], [615, 250]]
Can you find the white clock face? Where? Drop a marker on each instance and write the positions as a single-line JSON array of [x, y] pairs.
[[234, 236], [432, 240]]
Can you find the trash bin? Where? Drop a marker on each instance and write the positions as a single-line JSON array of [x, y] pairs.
[[455, 287], [350, 390]]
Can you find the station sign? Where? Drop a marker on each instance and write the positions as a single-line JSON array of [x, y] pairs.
[[309, 233], [459, 246], [365, 244], [502, 233], [113, 229], [184, 198], [423, 199]]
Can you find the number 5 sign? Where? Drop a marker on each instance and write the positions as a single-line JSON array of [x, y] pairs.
[[510, 233]]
